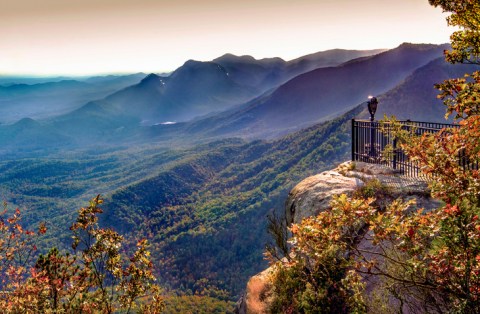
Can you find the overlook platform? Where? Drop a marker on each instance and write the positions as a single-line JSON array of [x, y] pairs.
[[370, 139]]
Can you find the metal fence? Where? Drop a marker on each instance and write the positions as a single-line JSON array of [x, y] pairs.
[[370, 138]]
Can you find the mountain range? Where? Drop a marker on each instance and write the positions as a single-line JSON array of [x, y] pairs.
[[323, 93], [195, 160], [196, 88], [233, 96], [200, 88]]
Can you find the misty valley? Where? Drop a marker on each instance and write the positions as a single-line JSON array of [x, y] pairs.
[[196, 160]]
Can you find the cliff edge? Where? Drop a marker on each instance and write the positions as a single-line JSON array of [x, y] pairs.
[[313, 195]]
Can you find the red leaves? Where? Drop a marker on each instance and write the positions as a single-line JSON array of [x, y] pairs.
[[410, 233], [294, 229], [452, 210], [439, 251], [42, 229]]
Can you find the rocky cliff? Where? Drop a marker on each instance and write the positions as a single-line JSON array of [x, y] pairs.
[[313, 195]]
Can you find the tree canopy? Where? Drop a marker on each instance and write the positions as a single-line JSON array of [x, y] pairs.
[[466, 41]]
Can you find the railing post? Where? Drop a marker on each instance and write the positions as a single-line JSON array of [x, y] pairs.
[[354, 140], [372, 140], [394, 154], [463, 161]]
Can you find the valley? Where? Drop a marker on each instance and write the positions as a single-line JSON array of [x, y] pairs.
[[200, 189]]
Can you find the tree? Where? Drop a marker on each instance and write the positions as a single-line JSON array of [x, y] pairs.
[[465, 41], [424, 261], [94, 277], [18, 250], [315, 276]]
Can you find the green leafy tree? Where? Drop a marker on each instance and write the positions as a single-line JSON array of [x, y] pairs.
[[465, 41]]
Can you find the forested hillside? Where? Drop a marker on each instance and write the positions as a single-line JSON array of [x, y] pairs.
[[201, 190], [200, 206], [211, 208]]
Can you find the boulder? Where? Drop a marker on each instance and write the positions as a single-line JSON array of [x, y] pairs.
[[313, 194]]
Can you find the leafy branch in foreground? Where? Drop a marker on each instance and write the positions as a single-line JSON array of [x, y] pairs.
[[18, 249], [94, 277], [465, 41]]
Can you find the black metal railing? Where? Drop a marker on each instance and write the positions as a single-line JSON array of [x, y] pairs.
[[370, 138]]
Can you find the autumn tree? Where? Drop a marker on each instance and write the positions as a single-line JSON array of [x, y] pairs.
[[465, 42], [95, 277], [18, 250]]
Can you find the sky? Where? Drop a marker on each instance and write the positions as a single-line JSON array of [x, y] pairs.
[[84, 37]]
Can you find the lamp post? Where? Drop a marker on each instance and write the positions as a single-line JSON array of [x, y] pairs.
[[372, 108]]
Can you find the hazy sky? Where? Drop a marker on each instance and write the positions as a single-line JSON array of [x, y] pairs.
[[46, 37]]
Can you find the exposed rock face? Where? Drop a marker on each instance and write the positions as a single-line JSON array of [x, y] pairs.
[[313, 195], [257, 295]]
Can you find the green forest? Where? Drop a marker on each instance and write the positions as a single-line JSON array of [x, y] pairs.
[[206, 205]]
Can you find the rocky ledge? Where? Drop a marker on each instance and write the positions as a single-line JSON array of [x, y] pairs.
[[313, 195]]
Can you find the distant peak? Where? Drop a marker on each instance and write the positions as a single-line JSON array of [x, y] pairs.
[[274, 59], [151, 78], [192, 66], [228, 55], [26, 122], [231, 57], [191, 62], [418, 46]]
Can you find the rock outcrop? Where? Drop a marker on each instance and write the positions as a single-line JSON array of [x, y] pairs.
[[257, 294], [313, 195]]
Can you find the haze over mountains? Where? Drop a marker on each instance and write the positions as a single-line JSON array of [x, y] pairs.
[[195, 160], [323, 93], [196, 88], [199, 88], [40, 100], [229, 96], [415, 99]]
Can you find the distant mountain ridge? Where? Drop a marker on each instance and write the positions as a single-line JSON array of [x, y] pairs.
[[231, 96], [198, 88], [194, 89], [416, 98], [321, 94], [264, 74], [47, 99]]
